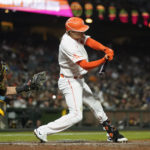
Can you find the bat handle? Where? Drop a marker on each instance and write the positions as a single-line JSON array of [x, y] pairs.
[[103, 67]]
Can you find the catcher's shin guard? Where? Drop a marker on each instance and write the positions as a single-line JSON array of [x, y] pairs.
[[112, 131]]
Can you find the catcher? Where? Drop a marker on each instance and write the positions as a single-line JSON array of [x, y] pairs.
[[35, 83]]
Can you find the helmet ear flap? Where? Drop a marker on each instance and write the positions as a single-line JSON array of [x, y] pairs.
[[67, 27]]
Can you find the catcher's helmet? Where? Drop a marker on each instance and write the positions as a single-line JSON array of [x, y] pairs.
[[76, 24]]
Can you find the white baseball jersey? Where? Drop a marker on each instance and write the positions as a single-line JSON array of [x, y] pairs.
[[70, 52]]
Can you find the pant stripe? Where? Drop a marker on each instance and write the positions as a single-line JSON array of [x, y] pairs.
[[73, 94]]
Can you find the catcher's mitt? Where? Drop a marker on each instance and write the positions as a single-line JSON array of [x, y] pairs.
[[37, 81]]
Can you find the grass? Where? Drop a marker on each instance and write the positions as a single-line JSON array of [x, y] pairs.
[[90, 135]]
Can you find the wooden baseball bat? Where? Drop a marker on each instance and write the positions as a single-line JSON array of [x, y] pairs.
[[103, 68]]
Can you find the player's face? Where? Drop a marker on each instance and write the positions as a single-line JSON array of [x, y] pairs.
[[76, 35]]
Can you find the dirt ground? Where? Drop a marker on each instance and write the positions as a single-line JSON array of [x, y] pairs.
[[76, 145]]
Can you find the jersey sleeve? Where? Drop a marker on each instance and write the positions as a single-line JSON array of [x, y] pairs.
[[73, 53], [86, 37]]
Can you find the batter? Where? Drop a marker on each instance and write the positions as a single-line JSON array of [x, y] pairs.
[[73, 61]]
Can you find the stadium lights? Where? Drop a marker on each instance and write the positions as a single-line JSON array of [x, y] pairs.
[[6, 11], [88, 20]]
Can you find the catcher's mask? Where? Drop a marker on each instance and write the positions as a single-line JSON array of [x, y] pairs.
[[3, 70]]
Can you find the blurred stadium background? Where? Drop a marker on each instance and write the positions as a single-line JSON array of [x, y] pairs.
[[30, 32]]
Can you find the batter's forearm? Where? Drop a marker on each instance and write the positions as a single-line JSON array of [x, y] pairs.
[[95, 45], [90, 65]]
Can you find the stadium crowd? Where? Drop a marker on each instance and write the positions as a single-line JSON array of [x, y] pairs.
[[125, 84]]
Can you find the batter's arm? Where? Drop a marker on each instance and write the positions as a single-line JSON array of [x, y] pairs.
[[98, 46], [90, 65], [95, 44]]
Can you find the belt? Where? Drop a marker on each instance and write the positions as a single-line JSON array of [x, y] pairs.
[[75, 77]]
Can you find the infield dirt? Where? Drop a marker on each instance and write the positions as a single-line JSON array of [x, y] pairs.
[[76, 145]]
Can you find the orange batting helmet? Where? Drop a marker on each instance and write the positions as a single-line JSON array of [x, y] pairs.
[[76, 24]]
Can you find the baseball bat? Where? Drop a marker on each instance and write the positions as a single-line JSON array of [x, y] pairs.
[[103, 68]]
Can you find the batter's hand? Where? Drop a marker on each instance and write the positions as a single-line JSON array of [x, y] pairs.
[[109, 53], [108, 50], [109, 57]]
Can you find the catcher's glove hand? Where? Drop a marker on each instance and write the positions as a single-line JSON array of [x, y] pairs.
[[37, 81]]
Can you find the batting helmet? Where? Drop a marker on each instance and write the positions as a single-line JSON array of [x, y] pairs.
[[76, 24]]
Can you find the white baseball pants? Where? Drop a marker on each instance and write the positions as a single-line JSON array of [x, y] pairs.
[[76, 92]]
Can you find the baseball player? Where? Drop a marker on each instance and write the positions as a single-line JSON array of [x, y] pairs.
[[34, 84], [73, 61]]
